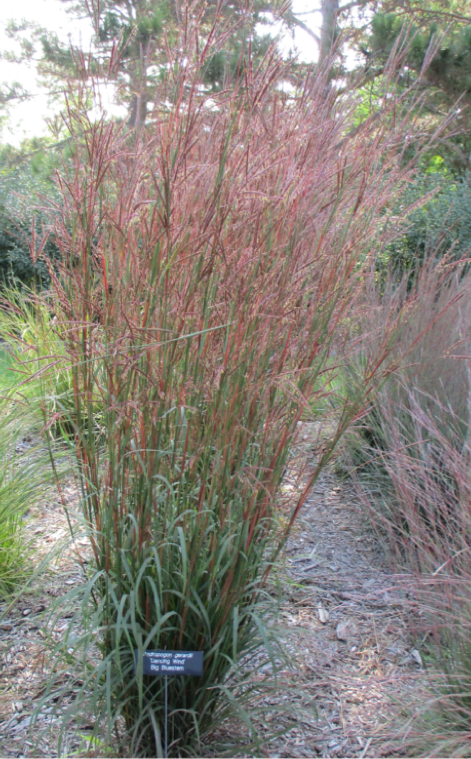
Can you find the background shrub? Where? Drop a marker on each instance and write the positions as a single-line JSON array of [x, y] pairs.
[[439, 226], [20, 198]]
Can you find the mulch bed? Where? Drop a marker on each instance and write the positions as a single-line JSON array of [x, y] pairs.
[[348, 620]]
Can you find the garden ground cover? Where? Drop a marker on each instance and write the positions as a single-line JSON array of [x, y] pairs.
[[352, 628]]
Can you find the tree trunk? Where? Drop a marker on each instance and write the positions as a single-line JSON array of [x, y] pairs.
[[329, 10], [138, 10], [137, 110]]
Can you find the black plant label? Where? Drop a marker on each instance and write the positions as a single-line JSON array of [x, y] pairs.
[[162, 663]]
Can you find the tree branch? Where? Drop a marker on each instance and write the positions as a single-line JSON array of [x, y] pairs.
[[292, 19]]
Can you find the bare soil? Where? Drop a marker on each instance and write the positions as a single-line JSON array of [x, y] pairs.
[[349, 621]]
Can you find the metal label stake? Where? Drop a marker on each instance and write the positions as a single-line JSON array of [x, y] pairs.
[[167, 663], [166, 719]]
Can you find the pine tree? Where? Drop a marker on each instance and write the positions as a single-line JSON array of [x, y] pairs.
[[135, 33], [447, 78]]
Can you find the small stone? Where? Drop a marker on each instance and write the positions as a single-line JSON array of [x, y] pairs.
[[26, 612], [323, 615]]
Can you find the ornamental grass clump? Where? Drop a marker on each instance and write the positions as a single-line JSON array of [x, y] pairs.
[[421, 503], [208, 262], [412, 469]]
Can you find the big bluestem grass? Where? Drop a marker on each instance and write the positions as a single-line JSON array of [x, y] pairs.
[[208, 264]]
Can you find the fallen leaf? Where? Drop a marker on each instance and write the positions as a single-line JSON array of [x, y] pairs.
[[345, 629]]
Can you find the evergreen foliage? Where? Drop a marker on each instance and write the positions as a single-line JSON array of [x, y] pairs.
[[134, 38], [438, 227], [450, 68], [441, 57]]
